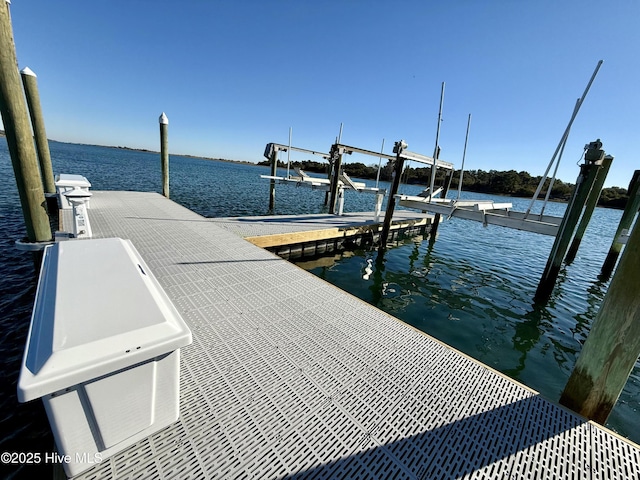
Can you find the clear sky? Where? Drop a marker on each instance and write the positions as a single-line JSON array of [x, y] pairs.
[[234, 75]]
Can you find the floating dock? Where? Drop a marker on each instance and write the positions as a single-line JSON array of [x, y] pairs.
[[290, 377], [295, 236]]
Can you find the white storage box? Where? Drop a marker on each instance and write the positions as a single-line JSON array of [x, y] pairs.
[[66, 182], [102, 351]]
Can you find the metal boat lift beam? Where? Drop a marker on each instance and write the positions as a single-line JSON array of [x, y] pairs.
[[407, 155], [283, 148], [349, 150], [417, 157], [546, 226]]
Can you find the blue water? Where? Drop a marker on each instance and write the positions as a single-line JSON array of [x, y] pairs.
[[472, 288]]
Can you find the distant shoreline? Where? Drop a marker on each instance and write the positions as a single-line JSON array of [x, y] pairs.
[[144, 150]]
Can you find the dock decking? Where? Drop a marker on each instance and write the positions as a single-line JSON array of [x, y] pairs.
[[294, 236], [290, 377]]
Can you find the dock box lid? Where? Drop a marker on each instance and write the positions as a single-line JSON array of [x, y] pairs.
[[98, 309], [69, 180]]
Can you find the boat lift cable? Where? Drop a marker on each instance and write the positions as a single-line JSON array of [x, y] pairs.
[[464, 154], [379, 164], [552, 181], [555, 171], [437, 147], [289, 153], [565, 135], [406, 173]]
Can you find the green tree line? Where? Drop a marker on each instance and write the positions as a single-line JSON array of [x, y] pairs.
[[510, 182]]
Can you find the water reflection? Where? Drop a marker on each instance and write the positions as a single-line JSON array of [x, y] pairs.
[[473, 289], [527, 334]]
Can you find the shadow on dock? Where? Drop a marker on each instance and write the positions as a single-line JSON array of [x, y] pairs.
[[500, 443]]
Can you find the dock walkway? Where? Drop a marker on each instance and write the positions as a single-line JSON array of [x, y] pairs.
[[290, 377], [283, 230]]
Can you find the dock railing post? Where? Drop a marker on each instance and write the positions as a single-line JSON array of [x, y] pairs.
[[590, 206], [19, 136], [613, 344], [30, 83], [588, 171], [335, 177], [628, 215], [164, 153], [391, 203], [272, 183]]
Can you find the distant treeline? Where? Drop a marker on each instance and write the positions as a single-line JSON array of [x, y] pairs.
[[510, 182]]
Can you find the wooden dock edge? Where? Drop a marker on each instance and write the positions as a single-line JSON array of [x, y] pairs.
[[291, 238], [312, 243]]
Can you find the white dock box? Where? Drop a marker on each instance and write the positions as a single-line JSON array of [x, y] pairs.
[[66, 182], [102, 351]]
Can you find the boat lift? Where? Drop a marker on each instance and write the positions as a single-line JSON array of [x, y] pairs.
[[489, 212], [334, 186]]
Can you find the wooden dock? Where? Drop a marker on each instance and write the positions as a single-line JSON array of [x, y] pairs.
[[290, 377], [295, 236]]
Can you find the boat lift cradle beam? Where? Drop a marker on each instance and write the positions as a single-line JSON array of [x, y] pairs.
[[277, 147], [271, 153], [405, 154], [488, 214], [342, 180]]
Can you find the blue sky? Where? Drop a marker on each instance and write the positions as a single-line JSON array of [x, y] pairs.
[[235, 75]]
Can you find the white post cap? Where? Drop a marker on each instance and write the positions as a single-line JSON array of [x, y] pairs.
[[163, 119], [27, 71]]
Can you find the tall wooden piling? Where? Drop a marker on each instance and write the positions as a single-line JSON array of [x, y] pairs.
[[30, 83], [613, 345], [590, 206], [391, 203], [164, 153], [584, 184], [327, 194], [335, 178], [630, 210], [19, 137], [272, 184]]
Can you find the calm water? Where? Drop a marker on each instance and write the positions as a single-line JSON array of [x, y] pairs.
[[471, 288]]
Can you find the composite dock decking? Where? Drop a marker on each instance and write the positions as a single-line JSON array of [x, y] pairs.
[[280, 224], [290, 377], [278, 230]]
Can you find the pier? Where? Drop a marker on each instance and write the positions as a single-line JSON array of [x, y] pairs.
[[295, 236], [290, 377]]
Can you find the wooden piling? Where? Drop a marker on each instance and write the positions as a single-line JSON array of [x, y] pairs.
[[630, 210], [335, 180], [436, 217], [590, 206], [584, 184], [272, 184], [613, 345], [19, 137], [30, 83], [164, 153], [327, 194], [391, 203]]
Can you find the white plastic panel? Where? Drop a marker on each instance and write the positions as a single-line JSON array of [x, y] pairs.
[[123, 403], [98, 309], [71, 180]]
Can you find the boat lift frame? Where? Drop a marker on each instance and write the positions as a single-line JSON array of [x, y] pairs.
[[335, 185]]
